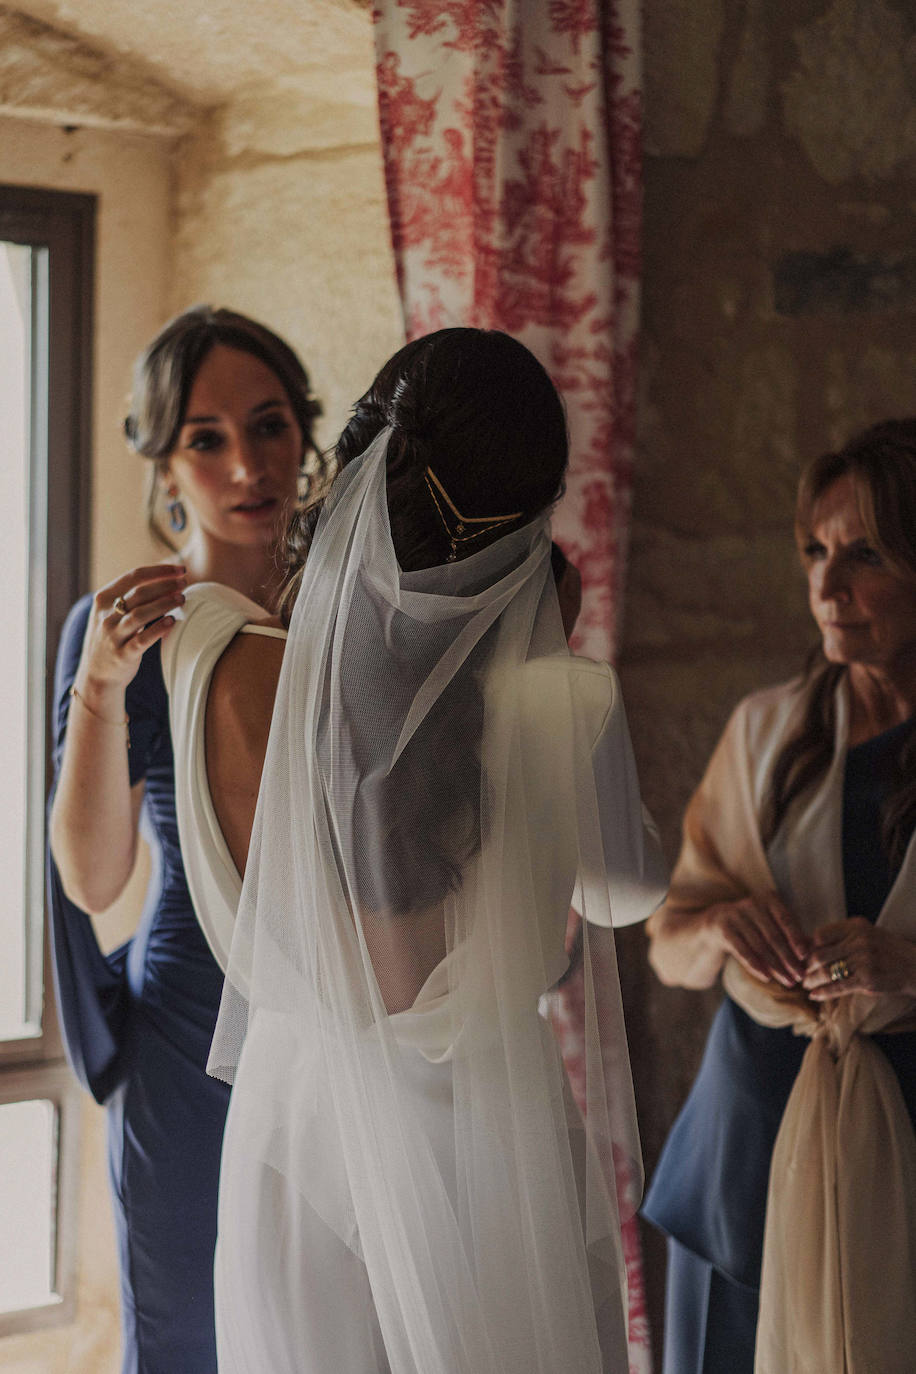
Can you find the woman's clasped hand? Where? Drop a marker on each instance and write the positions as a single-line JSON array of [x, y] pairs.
[[851, 955], [857, 956], [761, 933]]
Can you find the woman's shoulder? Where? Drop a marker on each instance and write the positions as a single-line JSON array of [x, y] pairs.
[[754, 732], [207, 622], [543, 685], [243, 688], [214, 599], [768, 708], [594, 684], [555, 672]]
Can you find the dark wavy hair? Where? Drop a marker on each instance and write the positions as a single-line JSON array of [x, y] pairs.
[[164, 375], [882, 462], [478, 408]]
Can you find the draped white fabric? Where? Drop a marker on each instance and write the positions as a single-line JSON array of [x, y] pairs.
[[211, 617], [406, 1184]]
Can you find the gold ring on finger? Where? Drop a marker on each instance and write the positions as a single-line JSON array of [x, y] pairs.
[[120, 605], [839, 971]]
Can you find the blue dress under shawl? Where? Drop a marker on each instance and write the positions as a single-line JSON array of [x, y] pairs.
[[137, 1025], [709, 1190]]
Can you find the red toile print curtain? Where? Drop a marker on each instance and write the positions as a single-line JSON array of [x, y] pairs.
[[511, 143], [511, 140]]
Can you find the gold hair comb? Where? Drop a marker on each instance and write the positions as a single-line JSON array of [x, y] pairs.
[[456, 530]]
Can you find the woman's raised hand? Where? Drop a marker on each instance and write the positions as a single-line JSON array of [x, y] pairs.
[[128, 615], [95, 813], [761, 933], [856, 956]]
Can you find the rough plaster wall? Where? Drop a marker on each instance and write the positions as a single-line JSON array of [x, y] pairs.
[[131, 176], [282, 214], [779, 295], [208, 50], [45, 74]]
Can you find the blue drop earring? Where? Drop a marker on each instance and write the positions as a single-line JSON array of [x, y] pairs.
[[178, 516]]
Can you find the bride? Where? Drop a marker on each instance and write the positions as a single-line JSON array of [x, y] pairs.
[[407, 1184]]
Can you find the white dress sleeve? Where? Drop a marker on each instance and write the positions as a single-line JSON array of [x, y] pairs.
[[633, 878], [212, 616], [635, 872]]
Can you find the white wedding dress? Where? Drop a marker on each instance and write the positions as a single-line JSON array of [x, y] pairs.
[[407, 1185]]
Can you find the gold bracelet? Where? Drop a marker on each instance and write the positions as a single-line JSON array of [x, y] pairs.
[[104, 719]]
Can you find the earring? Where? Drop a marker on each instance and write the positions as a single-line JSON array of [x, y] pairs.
[[178, 516]]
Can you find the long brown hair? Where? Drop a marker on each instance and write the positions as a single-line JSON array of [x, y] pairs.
[[164, 375], [882, 462]]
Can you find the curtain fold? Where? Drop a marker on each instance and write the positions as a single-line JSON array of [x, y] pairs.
[[511, 145]]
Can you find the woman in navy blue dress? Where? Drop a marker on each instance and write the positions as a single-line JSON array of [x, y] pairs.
[[787, 1186], [222, 409]]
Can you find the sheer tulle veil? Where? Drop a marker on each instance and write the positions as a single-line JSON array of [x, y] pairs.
[[414, 853]]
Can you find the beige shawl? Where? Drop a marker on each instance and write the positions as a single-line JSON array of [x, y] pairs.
[[838, 1286]]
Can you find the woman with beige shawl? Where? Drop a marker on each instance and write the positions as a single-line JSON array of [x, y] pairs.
[[787, 1186]]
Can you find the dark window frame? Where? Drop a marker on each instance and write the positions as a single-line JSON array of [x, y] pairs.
[[63, 223]]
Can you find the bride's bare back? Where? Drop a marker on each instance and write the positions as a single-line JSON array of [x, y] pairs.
[[239, 708]]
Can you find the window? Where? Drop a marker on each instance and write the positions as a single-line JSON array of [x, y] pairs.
[[45, 339]]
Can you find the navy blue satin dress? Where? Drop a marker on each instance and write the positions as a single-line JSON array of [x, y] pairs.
[[709, 1190], [137, 1024]]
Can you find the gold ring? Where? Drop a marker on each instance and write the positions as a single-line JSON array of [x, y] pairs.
[[120, 605], [839, 971]]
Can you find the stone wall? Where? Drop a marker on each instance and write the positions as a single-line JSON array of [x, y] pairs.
[[779, 293], [281, 213]]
